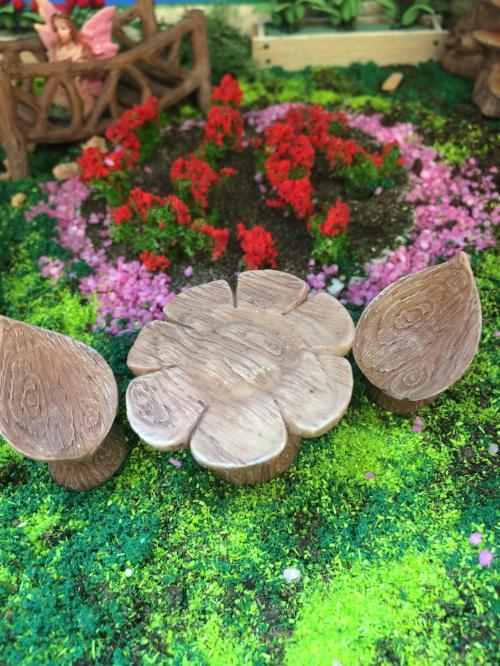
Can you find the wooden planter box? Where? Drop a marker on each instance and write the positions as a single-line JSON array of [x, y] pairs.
[[322, 47]]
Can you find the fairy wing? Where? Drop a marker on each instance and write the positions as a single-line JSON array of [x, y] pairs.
[[97, 32], [48, 37]]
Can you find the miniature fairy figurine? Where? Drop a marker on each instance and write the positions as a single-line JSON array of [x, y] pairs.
[[65, 43]]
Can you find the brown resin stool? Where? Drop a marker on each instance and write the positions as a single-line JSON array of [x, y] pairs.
[[58, 401], [239, 378], [419, 335]]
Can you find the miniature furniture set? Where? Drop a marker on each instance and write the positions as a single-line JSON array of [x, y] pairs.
[[239, 378]]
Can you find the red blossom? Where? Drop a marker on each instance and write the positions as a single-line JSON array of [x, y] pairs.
[[198, 173], [180, 209], [121, 214], [220, 238], [337, 219], [258, 247], [228, 91], [92, 163], [224, 127], [141, 201], [153, 262]]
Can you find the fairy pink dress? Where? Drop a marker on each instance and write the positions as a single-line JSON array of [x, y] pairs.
[[96, 37]]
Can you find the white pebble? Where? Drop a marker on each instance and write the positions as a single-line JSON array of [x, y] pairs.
[[290, 574], [493, 449], [335, 287], [128, 572]]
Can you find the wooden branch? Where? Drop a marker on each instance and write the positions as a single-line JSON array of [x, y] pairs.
[[136, 74], [103, 101], [148, 20], [12, 137]]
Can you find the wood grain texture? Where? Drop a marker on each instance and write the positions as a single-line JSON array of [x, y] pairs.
[[235, 380], [58, 397], [385, 47], [141, 70], [420, 334], [87, 474], [272, 290]]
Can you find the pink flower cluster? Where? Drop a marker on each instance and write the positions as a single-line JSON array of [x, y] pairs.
[[128, 296], [453, 212]]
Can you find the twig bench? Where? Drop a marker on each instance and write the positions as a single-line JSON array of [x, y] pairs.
[[150, 67]]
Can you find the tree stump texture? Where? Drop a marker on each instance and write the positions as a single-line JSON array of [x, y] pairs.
[[58, 401], [419, 335], [240, 378]]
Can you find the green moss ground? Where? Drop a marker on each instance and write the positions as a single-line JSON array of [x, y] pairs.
[[388, 576]]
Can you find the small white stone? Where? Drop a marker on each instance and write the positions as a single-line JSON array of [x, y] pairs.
[[493, 449], [128, 572], [290, 574], [335, 287]]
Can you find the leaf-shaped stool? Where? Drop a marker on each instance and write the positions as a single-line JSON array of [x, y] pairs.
[[419, 335], [58, 401]]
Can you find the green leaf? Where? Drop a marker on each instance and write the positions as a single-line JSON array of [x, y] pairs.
[[289, 15], [410, 15], [300, 10], [390, 6]]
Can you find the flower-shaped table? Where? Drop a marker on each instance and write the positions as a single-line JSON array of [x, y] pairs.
[[240, 379]]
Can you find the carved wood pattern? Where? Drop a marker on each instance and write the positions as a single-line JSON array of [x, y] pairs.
[[239, 379], [145, 63], [58, 398], [87, 474], [419, 335]]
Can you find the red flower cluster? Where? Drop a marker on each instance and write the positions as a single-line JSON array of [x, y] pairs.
[[219, 237], [95, 164], [228, 92], [132, 120], [338, 150], [153, 262], [141, 201], [316, 123], [180, 209], [288, 168], [336, 221], [258, 247], [198, 173], [224, 127], [121, 214]]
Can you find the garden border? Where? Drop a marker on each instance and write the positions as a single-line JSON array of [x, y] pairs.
[[293, 52]]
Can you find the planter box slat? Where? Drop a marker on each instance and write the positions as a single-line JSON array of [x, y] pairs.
[[384, 47]]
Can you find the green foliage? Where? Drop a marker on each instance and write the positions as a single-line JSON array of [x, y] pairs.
[[363, 176], [162, 234], [288, 14], [230, 50], [404, 14], [18, 21], [372, 609]]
